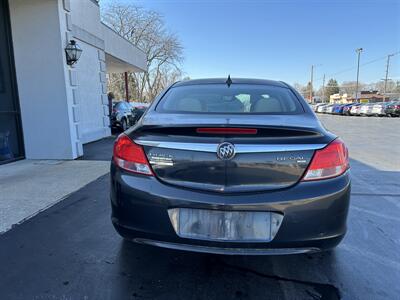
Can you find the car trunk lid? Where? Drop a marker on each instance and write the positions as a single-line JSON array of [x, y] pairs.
[[267, 157]]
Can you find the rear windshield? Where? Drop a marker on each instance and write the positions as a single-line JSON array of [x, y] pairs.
[[236, 99]]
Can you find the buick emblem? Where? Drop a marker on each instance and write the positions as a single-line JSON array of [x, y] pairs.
[[226, 151]]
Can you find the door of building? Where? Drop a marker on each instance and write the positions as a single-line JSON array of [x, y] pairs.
[[11, 143]]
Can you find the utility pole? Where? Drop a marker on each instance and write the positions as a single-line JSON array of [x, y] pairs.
[[358, 50], [311, 84], [387, 73], [323, 89], [126, 86]]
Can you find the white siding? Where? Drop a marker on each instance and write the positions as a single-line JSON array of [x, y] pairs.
[[63, 106], [40, 64], [86, 15], [90, 91]]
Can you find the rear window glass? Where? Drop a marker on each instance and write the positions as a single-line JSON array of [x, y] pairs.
[[120, 105], [236, 99]]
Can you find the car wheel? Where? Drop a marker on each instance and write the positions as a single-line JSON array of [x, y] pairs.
[[124, 124]]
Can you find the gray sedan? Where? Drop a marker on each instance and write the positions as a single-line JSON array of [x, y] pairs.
[[230, 166]]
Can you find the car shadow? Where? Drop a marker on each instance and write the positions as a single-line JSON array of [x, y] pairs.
[[174, 274]]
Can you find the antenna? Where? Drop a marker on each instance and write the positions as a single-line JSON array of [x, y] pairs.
[[229, 81]]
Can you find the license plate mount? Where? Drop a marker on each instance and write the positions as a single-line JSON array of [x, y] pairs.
[[228, 226]]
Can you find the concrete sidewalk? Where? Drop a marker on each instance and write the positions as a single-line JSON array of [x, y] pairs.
[[30, 186]]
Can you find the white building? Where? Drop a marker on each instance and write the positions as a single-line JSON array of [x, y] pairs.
[[48, 108], [338, 98]]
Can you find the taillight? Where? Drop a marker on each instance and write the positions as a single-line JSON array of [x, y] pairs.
[[331, 161], [130, 156]]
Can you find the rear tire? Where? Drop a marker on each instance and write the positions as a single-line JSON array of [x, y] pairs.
[[124, 124]]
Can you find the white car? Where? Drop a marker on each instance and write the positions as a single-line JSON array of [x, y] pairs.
[[316, 106], [322, 108], [366, 109], [355, 110], [319, 108], [378, 109], [329, 109]]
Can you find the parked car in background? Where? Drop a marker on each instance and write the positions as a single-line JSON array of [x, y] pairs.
[[315, 107], [121, 115], [347, 108], [341, 109], [321, 108], [338, 109], [137, 113], [369, 110], [355, 109], [329, 108], [378, 109], [366, 109], [232, 178], [393, 109]]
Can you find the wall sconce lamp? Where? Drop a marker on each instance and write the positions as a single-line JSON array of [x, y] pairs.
[[73, 52]]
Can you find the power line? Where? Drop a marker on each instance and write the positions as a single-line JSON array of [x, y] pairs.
[[355, 67]]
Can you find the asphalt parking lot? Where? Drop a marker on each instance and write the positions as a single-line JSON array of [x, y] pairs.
[[71, 251]]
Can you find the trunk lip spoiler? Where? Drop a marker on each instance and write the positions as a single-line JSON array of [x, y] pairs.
[[239, 148]]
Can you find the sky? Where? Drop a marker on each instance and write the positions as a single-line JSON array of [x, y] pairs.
[[280, 40]]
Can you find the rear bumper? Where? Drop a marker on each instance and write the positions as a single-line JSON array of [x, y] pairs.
[[226, 250], [315, 214]]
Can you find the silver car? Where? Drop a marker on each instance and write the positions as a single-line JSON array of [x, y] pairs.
[[355, 110], [329, 109], [317, 106], [366, 109], [321, 108], [379, 109]]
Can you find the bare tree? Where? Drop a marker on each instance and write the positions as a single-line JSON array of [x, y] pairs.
[[146, 30], [380, 86], [349, 87], [302, 89]]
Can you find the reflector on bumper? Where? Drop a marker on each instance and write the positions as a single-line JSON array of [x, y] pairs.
[[236, 226]]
